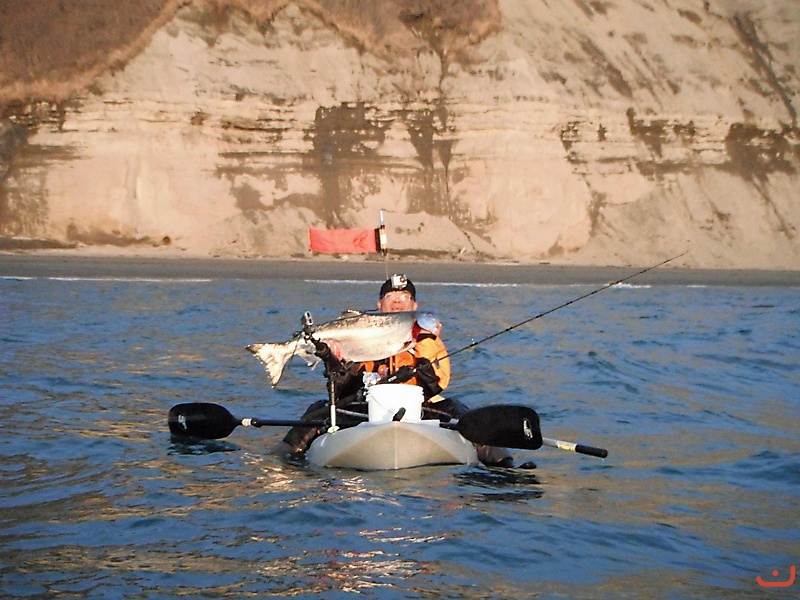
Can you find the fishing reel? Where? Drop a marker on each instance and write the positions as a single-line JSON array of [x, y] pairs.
[[307, 330], [307, 325], [332, 363]]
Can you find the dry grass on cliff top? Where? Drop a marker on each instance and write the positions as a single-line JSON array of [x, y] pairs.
[[52, 49]]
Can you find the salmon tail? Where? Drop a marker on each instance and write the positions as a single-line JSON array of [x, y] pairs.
[[274, 357]]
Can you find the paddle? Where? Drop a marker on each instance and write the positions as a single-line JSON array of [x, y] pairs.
[[573, 447], [211, 421], [507, 426]]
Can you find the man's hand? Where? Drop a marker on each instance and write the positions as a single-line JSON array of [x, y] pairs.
[[427, 378], [401, 375], [327, 353]]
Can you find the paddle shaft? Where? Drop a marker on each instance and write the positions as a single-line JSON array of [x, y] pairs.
[[281, 423], [573, 447]]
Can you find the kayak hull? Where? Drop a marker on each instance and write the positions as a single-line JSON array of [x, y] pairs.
[[383, 446]]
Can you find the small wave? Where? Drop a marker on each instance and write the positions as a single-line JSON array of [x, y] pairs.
[[631, 286], [427, 283], [106, 279]]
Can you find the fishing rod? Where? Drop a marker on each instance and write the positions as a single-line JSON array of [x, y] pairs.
[[560, 306], [406, 373]]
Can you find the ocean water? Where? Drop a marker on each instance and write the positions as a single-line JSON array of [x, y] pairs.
[[694, 391]]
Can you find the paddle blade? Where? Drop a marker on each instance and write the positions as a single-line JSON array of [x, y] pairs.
[[201, 420], [507, 426]]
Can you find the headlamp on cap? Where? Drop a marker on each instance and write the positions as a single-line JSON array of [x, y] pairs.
[[399, 283]]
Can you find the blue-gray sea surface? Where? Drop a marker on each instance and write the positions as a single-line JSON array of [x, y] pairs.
[[694, 390]]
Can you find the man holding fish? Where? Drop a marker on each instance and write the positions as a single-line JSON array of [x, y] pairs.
[[419, 359]]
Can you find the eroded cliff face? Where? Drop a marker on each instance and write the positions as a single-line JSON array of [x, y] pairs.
[[615, 132]]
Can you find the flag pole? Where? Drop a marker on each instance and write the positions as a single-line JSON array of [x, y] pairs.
[[383, 245]]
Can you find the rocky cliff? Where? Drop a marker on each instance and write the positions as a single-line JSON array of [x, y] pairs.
[[582, 131]]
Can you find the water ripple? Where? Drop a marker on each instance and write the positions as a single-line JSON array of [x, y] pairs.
[[693, 390]]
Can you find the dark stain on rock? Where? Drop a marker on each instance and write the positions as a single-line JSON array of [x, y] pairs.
[[652, 133], [424, 126], [267, 131], [247, 198], [428, 131], [345, 139], [655, 169], [686, 131], [568, 134], [23, 209], [763, 62], [109, 238], [8, 244], [754, 153], [12, 136], [656, 133], [198, 118], [592, 7], [596, 206], [603, 64], [691, 16]]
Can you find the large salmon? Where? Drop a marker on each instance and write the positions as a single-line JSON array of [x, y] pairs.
[[360, 337]]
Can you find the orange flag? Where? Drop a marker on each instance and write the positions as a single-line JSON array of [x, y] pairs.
[[344, 241]]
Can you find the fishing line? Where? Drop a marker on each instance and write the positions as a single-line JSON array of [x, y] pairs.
[[560, 306]]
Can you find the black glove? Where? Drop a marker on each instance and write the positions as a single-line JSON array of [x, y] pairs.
[[402, 374], [332, 364], [427, 378], [321, 349]]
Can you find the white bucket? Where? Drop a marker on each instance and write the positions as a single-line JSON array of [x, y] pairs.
[[386, 399]]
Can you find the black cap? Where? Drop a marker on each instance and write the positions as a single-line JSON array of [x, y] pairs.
[[398, 283]]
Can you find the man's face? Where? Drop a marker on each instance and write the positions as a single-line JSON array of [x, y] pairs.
[[397, 301]]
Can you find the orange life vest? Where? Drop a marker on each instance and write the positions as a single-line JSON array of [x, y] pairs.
[[427, 346]]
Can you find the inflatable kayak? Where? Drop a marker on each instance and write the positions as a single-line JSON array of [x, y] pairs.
[[391, 445], [395, 437]]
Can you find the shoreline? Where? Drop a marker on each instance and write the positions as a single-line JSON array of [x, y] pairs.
[[57, 265]]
